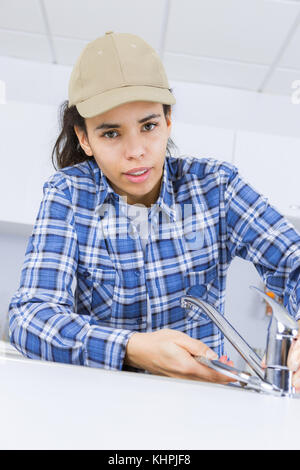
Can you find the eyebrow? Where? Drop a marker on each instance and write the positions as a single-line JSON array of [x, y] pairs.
[[108, 125]]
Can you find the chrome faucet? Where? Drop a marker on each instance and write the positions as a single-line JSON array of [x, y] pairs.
[[276, 377]]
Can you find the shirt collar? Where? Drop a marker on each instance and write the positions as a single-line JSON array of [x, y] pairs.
[[103, 189], [166, 199]]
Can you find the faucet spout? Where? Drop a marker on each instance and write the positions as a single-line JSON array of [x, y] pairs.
[[289, 323], [243, 348]]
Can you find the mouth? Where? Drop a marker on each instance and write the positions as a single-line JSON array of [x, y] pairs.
[[138, 175]]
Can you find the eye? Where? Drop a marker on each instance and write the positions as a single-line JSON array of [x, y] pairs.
[[109, 134], [151, 124]]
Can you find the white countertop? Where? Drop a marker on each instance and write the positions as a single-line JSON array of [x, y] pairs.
[[48, 405]]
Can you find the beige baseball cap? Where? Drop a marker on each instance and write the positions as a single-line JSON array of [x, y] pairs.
[[115, 69]]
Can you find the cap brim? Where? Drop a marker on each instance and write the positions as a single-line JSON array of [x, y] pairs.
[[110, 99]]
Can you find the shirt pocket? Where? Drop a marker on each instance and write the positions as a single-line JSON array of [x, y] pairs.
[[101, 282], [203, 285]]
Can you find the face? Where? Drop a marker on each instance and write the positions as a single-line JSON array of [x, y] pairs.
[[129, 145]]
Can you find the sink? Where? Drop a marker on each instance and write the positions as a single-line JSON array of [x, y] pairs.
[[7, 351], [293, 215]]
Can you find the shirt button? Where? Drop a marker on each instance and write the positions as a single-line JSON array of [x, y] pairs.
[[137, 273]]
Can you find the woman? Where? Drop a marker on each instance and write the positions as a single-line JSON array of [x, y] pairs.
[[135, 230]]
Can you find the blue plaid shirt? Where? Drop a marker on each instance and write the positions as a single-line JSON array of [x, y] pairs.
[[87, 284]]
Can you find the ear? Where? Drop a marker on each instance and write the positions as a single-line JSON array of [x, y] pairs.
[[169, 121], [83, 141]]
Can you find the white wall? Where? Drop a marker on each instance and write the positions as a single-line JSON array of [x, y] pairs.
[[258, 133]]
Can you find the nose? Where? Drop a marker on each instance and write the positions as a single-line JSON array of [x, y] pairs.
[[133, 147]]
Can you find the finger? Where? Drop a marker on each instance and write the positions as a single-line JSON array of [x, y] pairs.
[[187, 367], [205, 374], [212, 375], [196, 347], [269, 310], [193, 369], [296, 381], [217, 377], [293, 360], [223, 359]]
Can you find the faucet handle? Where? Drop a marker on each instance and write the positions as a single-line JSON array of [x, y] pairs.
[[280, 313]]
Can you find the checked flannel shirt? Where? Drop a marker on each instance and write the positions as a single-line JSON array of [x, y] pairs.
[[87, 283]]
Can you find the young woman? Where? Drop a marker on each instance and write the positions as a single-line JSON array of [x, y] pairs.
[[125, 229]]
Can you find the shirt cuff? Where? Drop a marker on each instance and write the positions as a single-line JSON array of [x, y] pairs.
[[106, 347]]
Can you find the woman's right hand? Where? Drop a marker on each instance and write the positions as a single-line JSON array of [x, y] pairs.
[[170, 352]]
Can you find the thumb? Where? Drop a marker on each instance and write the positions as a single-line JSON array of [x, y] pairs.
[[197, 347]]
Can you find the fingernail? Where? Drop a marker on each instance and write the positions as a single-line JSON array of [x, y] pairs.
[[211, 354]]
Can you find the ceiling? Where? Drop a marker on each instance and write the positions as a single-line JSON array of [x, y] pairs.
[[245, 44]]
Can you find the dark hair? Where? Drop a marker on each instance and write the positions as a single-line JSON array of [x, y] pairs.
[[67, 150]]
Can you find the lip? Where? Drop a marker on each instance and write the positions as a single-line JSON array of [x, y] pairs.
[[134, 170], [140, 178]]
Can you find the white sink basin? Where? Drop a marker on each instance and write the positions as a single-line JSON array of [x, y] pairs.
[[295, 221], [7, 351]]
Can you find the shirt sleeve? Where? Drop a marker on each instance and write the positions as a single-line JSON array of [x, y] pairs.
[[257, 232], [43, 323]]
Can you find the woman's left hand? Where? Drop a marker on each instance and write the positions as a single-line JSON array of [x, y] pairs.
[[294, 361]]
